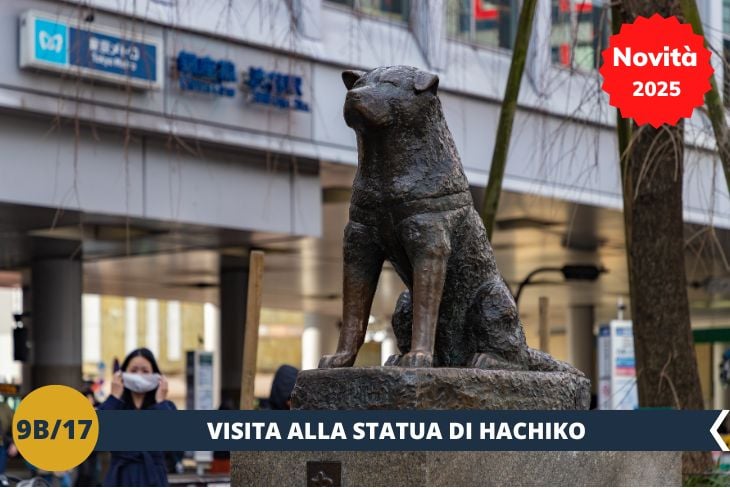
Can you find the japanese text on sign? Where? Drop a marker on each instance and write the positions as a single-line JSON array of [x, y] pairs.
[[205, 74], [274, 88]]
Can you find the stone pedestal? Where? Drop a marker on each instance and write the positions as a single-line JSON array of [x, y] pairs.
[[520, 468], [392, 388]]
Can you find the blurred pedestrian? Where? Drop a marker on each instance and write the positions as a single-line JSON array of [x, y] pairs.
[[138, 385], [222, 459], [282, 387], [88, 472], [6, 439]]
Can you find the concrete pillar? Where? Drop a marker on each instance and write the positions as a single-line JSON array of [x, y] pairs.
[[428, 22], [581, 342], [311, 342], [56, 286], [319, 338], [233, 296], [539, 59], [211, 342]]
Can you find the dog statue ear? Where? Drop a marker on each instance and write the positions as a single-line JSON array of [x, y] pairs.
[[350, 76], [426, 81]]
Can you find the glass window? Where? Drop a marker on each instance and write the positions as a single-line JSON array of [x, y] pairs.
[[392, 9], [580, 30], [481, 22]]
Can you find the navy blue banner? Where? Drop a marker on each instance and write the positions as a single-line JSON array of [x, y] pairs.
[[112, 54], [462, 430]]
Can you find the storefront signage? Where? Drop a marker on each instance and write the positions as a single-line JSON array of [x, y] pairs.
[[65, 45], [199, 380], [9, 389], [617, 367], [205, 74], [273, 88]]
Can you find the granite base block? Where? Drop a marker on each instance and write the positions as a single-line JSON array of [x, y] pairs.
[[394, 388], [557, 468]]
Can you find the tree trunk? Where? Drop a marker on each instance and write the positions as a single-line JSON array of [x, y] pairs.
[[667, 374], [507, 116]]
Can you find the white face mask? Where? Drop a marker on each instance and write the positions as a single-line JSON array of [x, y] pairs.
[[140, 383]]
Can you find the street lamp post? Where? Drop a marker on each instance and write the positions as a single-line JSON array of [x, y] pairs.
[[571, 272]]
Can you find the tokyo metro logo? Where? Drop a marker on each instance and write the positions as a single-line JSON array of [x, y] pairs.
[[51, 41]]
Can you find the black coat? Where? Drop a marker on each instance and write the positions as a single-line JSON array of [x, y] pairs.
[[136, 468]]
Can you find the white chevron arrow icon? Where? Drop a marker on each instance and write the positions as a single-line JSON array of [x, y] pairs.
[[715, 426]]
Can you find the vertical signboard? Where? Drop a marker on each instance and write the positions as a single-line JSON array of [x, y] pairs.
[[617, 367], [64, 45], [199, 394], [199, 380]]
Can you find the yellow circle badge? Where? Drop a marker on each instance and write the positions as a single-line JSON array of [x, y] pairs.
[[55, 428]]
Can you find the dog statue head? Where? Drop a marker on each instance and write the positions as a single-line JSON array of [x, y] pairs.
[[392, 96]]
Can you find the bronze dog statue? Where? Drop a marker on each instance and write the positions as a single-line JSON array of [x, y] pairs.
[[411, 205]]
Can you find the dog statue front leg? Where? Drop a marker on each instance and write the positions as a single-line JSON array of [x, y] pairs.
[[363, 261], [429, 275]]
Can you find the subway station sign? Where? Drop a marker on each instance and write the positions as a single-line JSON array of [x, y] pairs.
[[204, 74], [281, 90], [65, 45]]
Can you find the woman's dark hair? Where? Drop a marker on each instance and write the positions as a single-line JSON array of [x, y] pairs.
[[282, 387], [149, 397]]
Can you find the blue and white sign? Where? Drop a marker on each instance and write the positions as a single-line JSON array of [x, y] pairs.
[[273, 88], [617, 367], [51, 43], [204, 74], [68, 46]]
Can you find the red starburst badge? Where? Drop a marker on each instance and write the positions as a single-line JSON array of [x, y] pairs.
[[656, 70]]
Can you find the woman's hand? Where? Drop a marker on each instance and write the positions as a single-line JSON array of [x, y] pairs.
[[161, 394], [12, 450], [117, 385]]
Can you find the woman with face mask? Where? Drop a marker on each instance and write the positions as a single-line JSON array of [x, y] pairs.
[[138, 385]]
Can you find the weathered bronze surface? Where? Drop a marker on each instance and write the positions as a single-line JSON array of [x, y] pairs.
[[411, 205]]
